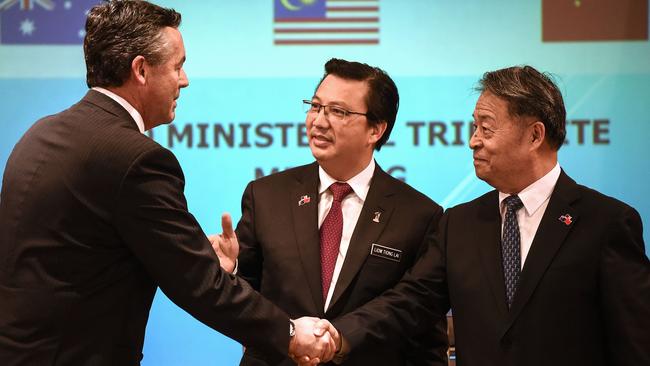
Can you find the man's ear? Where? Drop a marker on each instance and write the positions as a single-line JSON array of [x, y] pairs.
[[377, 131], [138, 70], [537, 134]]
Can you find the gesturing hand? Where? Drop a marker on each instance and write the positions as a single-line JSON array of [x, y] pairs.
[[225, 245]]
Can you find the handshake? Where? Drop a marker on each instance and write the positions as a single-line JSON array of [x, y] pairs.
[[313, 341]]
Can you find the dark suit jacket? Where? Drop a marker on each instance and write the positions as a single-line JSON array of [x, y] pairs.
[[583, 296], [279, 255], [93, 218]]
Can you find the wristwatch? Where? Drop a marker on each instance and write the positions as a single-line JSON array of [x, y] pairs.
[[292, 328]]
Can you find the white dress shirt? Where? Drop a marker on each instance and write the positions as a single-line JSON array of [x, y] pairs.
[[351, 208], [126, 105], [535, 198]]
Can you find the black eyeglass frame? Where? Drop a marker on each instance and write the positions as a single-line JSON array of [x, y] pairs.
[[328, 106]]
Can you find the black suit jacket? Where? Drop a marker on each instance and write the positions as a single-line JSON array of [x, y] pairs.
[[93, 218], [584, 292], [583, 296], [279, 255]]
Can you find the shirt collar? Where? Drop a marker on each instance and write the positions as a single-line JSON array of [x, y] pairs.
[[538, 192], [126, 105], [360, 183]]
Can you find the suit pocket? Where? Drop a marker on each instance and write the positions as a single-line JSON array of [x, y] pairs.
[[380, 273]]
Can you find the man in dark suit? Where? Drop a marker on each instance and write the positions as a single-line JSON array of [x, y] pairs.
[[541, 271], [285, 231], [93, 217], [551, 272]]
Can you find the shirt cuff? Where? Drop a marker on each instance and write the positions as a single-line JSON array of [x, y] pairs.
[[234, 270]]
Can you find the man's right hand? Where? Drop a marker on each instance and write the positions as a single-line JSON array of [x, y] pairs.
[[315, 341]]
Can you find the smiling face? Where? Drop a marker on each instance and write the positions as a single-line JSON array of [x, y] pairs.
[[502, 154], [343, 149], [164, 81]]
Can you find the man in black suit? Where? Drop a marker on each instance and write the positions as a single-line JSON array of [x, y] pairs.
[[541, 271], [551, 272], [93, 217], [291, 252]]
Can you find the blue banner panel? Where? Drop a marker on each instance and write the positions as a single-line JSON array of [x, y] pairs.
[[250, 63]]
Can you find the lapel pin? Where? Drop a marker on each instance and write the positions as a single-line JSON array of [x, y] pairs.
[[566, 219], [376, 218], [304, 200]]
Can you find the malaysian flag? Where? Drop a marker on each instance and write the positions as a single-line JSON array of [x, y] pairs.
[[326, 22], [43, 21]]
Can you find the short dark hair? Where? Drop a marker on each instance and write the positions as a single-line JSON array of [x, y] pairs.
[[117, 31], [530, 93], [382, 99]]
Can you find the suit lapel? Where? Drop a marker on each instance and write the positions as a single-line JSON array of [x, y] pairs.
[[550, 236], [488, 232], [305, 226], [366, 232]]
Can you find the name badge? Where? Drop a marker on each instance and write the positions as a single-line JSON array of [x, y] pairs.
[[386, 252]]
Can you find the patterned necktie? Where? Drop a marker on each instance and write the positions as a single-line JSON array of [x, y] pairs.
[[330, 235], [510, 247]]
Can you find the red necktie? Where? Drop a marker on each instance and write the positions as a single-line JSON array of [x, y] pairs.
[[330, 235]]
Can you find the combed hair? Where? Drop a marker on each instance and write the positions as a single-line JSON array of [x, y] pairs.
[[530, 93], [120, 30], [382, 99]]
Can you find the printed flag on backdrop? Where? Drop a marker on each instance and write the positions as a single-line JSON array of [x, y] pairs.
[[44, 22], [326, 22], [594, 20]]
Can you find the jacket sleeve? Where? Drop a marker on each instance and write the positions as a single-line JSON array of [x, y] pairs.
[[429, 348], [625, 291], [413, 306], [153, 220]]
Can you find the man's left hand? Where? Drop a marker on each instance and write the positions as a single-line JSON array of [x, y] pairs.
[[225, 245]]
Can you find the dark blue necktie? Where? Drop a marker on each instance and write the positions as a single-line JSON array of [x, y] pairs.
[[510, 247]]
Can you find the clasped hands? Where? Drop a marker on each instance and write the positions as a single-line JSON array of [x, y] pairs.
[[315, 340]]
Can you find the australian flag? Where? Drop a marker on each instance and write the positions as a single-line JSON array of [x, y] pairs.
[[43, 22]]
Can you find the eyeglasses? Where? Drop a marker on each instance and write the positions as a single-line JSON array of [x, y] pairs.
[[332, 112]]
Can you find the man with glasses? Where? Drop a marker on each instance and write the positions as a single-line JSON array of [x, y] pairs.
[[539, 271], [325, 238]]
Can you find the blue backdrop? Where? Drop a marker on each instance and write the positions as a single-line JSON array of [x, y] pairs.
[[249, 68]]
